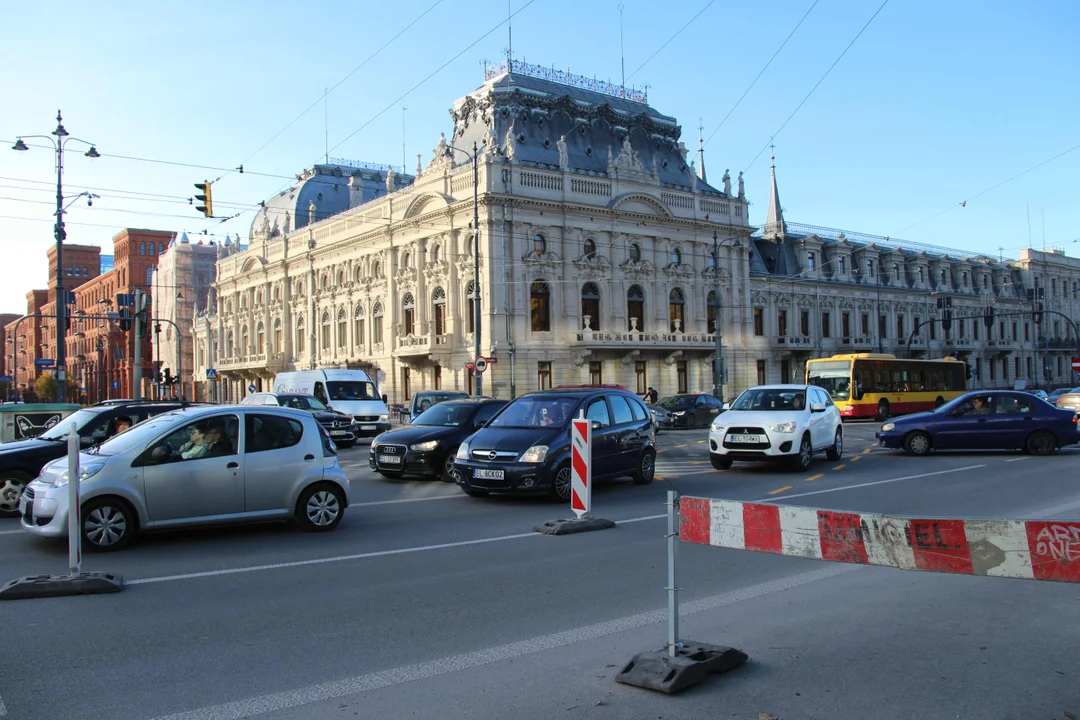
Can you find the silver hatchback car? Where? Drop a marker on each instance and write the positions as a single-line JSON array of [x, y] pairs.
[[196, 466]]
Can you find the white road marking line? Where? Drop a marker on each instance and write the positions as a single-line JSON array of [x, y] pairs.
[[3, 708], [409, 500], [11, 532], [297, 697], [355, 556], [1017, 459], [876, 482]]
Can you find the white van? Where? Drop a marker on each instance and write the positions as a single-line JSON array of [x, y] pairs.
[[352, 392]]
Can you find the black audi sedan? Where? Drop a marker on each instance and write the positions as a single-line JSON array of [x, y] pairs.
[[526, 447], [427, 446]]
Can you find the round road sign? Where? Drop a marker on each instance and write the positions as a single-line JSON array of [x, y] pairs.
[[480, 364]]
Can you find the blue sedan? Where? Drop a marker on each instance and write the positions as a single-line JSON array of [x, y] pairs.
[[998, 419]]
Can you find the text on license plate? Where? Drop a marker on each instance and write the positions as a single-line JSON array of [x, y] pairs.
[[367, 427], [488, 474], [744, 438], [390, 459], [340, 432]]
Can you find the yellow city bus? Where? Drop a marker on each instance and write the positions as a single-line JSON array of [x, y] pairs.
[[867, 385]]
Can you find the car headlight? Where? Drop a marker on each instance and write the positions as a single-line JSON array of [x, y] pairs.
[[888, 426], [462, 452], [425, 446], [678, 413], [384, 418], [788, 427], [85, 473], [535, 454]]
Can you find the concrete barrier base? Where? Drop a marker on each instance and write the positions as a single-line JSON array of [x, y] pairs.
[[693, 662], [38, 586], [573, 525]]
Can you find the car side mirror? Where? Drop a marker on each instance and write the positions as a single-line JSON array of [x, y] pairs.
[[817, 408], [160, 454], [596, 424], [725, 406], [384, 399]]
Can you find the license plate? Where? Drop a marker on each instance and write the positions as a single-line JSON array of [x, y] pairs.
[[488, 474], [367, 427], [390, 459], [340, 432], [747, 439]]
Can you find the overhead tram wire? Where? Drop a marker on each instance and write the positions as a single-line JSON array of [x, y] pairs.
[[671, 39], [762, 72], [816, 85]]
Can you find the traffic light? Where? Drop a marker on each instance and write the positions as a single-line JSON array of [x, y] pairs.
[[142, 313], [207, 206], [125, 319], [168, 379], [157, 373], [1038, 313]]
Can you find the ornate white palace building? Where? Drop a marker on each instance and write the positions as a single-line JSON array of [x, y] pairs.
[[596, 247]]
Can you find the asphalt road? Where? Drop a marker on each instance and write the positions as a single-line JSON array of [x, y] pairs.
[[429, 604]]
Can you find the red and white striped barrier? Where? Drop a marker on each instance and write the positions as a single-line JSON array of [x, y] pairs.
[[1025, 549], [581, 467]]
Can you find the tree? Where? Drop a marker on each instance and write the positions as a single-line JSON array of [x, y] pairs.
[[45, 387]]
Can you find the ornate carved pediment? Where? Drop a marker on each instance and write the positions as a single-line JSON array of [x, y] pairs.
[[547, 260], [580, 356], [629, 358], [679, 270], [464, 264], [638, 269], [710, 273], [673, 357], [437, 270], [405, 275], [847, 304], [593, 268], [865, 304], [758, 298], [805, 300]]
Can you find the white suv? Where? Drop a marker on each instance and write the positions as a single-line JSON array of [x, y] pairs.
[[777, 422]]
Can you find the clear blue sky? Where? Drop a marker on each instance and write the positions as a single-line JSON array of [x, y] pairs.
[[936, 102]]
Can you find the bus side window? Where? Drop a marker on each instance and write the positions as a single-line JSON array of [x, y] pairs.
[[856, 384], [916, 380]]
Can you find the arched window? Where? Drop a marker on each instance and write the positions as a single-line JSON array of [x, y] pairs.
[[149, 276], [299, 287], [325, 281], [244, 348], [406, 260], [676, 305], [153, 249], [438, 302], [342, 328], [635, 308], [589, 249], [590, 306], [376, 323], [539, 244], [325, 323], [435, 254], [277, 336], [470, 307], [258, 298], [142, 250], [358, 274], [408, 307], [540, 306], [341, 278], [161, 248], [298, 341], [260, 339], [358, 327], [676, 256], [229, 344], [711, 309], [635, 252]]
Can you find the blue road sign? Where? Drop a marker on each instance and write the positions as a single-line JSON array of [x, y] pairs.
[[44, 361], [115, 385], [251, 388], [5, 378], [211, 374]]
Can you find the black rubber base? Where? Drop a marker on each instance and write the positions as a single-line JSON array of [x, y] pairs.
[[573, 525], [39, 586], [692, 663]]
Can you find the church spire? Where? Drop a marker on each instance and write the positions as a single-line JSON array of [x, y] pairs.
[[701, 153], [774, 222]]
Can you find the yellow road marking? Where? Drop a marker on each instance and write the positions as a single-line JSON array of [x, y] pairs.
[[659, 477], [681, 446], [702, 442], [660, 451], [857, 458], [867, 451], [812, 478], [777, 491], [697, 462], [839, 467]]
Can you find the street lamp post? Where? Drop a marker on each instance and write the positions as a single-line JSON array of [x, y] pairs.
[[718, 335], [474, 158], [62, 139]]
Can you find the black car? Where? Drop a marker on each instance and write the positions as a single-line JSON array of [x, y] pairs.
[[341, 428], [20, 462], [686, 411], [526, 447], [428, 445]]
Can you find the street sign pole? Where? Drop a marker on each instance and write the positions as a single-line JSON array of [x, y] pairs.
[[581, 467]]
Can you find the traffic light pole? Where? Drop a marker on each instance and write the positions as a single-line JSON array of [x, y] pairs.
[[136, 369]]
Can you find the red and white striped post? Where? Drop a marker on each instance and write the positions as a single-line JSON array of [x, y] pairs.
[[581, 467]]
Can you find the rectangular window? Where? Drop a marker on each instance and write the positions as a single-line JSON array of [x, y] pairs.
[[1030, 370], [1001, 331], [683, 381], [759, 322], [826, 322], [781, 322], [845, 325], [804, 323], [438, 377], [978, 368], [811, 261], [406, 383], [1016, 335], [975, 329], [761, 372], [1058, 366], [933, 330], [641, 381], [883, 326], [376, 330], [543, 375], [1016, 367], [1027, 333], [864, 324], [596, 372], [900, 334], [841, 265], [785, 371]]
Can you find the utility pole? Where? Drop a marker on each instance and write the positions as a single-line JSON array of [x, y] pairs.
[[136, 370]]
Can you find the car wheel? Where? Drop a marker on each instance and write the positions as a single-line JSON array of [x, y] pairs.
[[562, 483], [320, 507], [918, 443], [720, 462], [12, 484], [837, 450], [646, 468], [449, 474], [475, 493], [801, 462], [883, 411], [1041, 442], [108, 524]]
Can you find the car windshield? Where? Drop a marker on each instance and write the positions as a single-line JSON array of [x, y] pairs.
[[536, 411], [423, 401], [769, 399], [674, 401], [137, 436], [301, 402], [352, 390], [833, 376], [445, 415], [81, 418]]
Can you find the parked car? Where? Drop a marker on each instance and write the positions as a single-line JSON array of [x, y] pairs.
[[686, 410], [424, 399], [20, 462], [1069, 400], [196, 466], [341, 427], [1001, 419], [1041, 394], [428, 445], [1052, 398], [777, 422], [526, 447]]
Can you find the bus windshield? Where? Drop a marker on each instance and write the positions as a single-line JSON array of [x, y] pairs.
[[351, 390], [834, 376]]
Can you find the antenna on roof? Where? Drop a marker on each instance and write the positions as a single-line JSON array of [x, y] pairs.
[[622, 54], [509, 33], [326, 125]]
